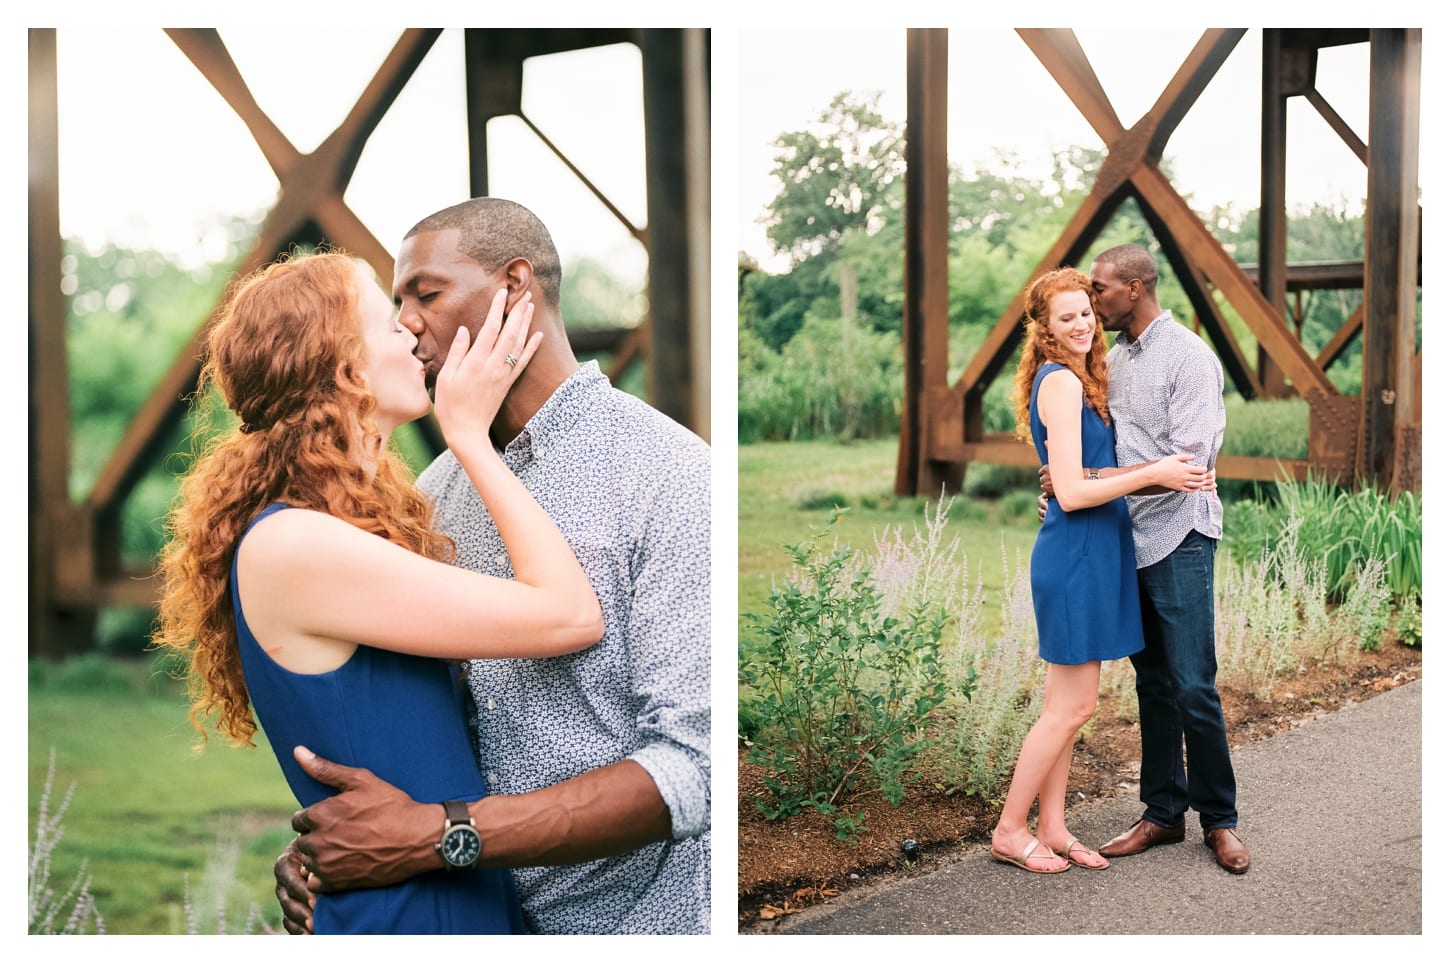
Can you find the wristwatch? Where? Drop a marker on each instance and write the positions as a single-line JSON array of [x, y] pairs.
[[461, 845]]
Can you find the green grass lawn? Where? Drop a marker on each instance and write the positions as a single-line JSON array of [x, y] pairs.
[[786, 489], [149, 816]]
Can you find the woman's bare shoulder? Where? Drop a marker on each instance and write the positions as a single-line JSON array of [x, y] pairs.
[[1062, 379], [296, 534]]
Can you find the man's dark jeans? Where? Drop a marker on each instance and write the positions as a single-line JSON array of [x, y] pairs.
[[1178, 703]]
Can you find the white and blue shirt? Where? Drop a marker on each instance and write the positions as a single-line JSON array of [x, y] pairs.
[[1165, 393], [630, 490]]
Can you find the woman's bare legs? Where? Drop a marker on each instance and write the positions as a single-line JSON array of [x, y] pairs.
[[1052, 798], [1070, 697], [1052, 815]]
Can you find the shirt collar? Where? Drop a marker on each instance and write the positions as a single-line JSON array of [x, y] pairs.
[[569, 402], [1147, 334]]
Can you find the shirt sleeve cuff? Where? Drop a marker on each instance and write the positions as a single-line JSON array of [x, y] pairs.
[[683, 785]]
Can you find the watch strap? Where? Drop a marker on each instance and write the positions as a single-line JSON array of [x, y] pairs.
[[455, 811]]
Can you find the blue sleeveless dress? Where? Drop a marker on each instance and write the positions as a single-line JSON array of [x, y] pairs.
[[400, 716], [1084, 572]]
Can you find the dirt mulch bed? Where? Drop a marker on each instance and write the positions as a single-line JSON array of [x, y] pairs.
[[787, 865]]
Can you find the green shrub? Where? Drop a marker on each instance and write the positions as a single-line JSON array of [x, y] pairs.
[[817, 500], [748, 720], [827, 381], [984, 480], [842, 690], [1020, 504], [1408, 622], [91, 673], [1266, 428]]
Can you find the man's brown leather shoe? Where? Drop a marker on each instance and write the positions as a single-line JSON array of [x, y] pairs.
[[1228, 849], [1143, 835]]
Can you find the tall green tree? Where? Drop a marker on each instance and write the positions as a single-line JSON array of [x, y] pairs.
[[836, 176]]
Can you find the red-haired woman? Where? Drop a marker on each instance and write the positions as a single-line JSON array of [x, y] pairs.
[[1084, 578], [304, 581]]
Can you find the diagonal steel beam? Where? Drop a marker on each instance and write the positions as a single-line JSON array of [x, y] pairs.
[[638, 233], [204, 48], [1182, 92], [345, 144], [343, 228], [1209, 256], [1342, 339], [1062, 55], [1196, 286], [1338, 125], [311, 192]]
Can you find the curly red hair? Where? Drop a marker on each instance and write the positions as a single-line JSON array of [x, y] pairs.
[[286, 355], [1041, 347]]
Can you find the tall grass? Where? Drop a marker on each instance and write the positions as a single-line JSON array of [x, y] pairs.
[[786, 487], [73, 911], [1274, 615], [984, 732], [1267, 609], [1346, 528]]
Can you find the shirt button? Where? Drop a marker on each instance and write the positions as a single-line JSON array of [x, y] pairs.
[[492, 779], [491, 704], [500, 559]]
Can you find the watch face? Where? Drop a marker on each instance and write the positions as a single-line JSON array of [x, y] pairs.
[[461, 846]]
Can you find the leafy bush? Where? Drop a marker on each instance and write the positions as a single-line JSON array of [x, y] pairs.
[[91, 673], [841, 690], [1020, 504], [1408, 622], [827, 381], [986, 480], [1266, 428]]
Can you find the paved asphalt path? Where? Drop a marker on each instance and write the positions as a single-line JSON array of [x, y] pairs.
[[1330, 812]]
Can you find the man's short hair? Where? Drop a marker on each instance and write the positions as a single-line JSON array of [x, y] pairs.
[[494, 231], [1132, 261]]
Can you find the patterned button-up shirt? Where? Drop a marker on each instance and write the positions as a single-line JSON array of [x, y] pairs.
[[630, 490], [1165, 393]]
